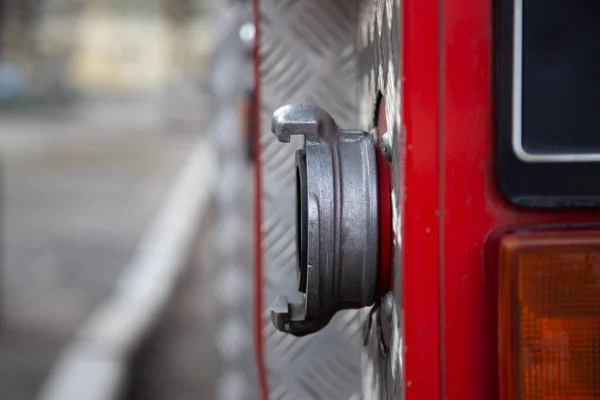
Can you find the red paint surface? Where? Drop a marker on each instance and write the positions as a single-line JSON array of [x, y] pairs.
[[450, 204], [386, 248], [472, 207], [419, 282], [258, 261], [385, 225]]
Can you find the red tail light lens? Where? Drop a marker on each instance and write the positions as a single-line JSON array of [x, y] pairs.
[[550, 315]]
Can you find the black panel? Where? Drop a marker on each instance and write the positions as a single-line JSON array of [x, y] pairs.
[[561, 101], [561, 76]]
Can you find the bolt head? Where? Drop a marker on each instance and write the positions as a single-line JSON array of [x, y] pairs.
[[386, 146]]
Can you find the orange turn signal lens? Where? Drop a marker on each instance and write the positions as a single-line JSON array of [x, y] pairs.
[[549, 324]]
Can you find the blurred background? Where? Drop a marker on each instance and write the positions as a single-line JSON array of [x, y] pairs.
[[123, 123]]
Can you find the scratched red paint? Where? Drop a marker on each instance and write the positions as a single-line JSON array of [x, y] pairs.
[[420, 235]]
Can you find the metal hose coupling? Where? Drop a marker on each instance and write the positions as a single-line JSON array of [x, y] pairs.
[[337, 219]]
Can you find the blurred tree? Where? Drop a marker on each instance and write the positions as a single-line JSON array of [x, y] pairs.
[[179, 16], [178, 12], [2, 23], [15, 28]]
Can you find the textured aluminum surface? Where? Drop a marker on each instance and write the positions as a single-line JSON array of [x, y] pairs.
[[337, 219], [379, 50], [307, 54]]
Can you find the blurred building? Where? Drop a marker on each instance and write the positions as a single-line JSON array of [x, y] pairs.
[[67, 47]]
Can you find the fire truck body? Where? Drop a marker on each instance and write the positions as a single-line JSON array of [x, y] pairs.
[[488, 216]]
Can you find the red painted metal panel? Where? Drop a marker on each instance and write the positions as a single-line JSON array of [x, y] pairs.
[[420, 233], [472, 207], [258, 272], [467, 211], [386, 247]]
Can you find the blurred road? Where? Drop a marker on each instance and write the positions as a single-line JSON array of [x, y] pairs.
[[78, 187]]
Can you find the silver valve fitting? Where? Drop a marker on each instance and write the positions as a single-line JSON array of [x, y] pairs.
[[337, 219]]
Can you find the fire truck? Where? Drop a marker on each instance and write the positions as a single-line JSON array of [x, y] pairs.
[[427, 191]]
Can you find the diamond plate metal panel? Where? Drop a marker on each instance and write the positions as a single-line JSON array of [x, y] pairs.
[[379, 56], [307, 54]]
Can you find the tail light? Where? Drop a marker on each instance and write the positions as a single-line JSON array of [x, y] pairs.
[[549, 339]]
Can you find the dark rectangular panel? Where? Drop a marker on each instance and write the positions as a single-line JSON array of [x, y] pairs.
[[547, 101], [561, 76]]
